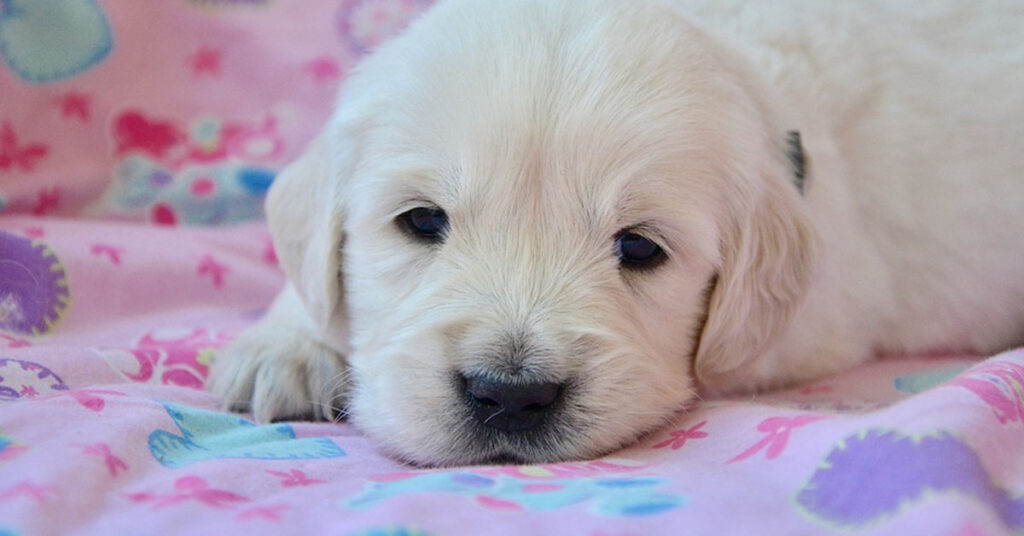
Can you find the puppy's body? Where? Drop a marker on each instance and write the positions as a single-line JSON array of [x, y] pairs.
[[912, 125], [546, 131]]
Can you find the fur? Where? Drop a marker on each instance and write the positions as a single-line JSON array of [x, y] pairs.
[[545, 128]]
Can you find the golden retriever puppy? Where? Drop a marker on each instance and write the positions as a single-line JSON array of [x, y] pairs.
[[534, 230]]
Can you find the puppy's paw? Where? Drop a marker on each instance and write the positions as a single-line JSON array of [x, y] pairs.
[[280, 373]]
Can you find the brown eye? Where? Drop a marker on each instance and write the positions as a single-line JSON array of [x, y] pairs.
[[637, 252], [426, 224]]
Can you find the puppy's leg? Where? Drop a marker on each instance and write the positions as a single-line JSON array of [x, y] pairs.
[[279, 369]]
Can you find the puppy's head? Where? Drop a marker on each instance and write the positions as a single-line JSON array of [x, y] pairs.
[[533, 223]]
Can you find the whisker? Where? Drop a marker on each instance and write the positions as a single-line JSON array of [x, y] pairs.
[[338, 414], [493, 415]]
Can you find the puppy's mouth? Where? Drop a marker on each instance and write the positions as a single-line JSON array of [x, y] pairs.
[[505, 459]]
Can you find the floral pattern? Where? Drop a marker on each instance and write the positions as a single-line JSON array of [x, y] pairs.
[[179, 114]]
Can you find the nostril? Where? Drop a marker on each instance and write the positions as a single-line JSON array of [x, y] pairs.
[[510, 406], [541, 396], [484, 401]]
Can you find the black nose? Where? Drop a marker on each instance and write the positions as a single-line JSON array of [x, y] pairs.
[[511, 407]]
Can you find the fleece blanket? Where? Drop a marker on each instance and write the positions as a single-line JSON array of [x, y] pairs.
[[136, 142], [110, 328]]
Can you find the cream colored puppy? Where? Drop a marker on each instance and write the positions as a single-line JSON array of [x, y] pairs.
[[534, 229]]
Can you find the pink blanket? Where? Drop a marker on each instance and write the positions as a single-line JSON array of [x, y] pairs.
[[179, 112]]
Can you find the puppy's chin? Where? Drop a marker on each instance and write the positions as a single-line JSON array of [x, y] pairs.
[[421, 418], [474, 444]]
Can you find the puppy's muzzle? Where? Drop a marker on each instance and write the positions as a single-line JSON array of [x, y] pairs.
[[510, 407]]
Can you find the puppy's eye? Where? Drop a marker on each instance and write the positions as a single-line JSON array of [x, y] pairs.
[[426, 224], [637, 252]]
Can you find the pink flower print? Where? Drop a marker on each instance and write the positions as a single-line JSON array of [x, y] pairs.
[[208, 266], [323, 69], [114, 464], [163, 214], [495, 503], [561, 470], [190, 488], [10, 450], [1000, 384], [90, 398], [14, 342], [1007, 406], [245, 141], [294, 477], [269, 253], [29, 391], [75, 105], [174, 356], [134, 132], [680, 437], [112, 253], [392, 477], [202, 187], [37, 493], [270, 513], [253, 141], [13, 154], [206, 60], [776, 430], [47, 200]]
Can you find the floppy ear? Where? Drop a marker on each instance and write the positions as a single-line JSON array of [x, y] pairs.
[[768, 250], [304, 213]]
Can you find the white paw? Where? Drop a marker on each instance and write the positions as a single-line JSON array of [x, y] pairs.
[[280, 373]]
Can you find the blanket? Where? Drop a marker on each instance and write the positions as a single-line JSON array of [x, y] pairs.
[[136, 142]]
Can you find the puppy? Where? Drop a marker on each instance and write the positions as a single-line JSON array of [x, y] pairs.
[[533, 229]]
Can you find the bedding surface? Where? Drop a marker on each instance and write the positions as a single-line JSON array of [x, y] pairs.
[[109, 329], [137, 140]]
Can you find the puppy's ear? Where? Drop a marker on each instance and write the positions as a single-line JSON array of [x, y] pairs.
[[305, 217], [768, 250]]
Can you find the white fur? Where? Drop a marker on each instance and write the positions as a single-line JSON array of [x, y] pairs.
[[544, 127]]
